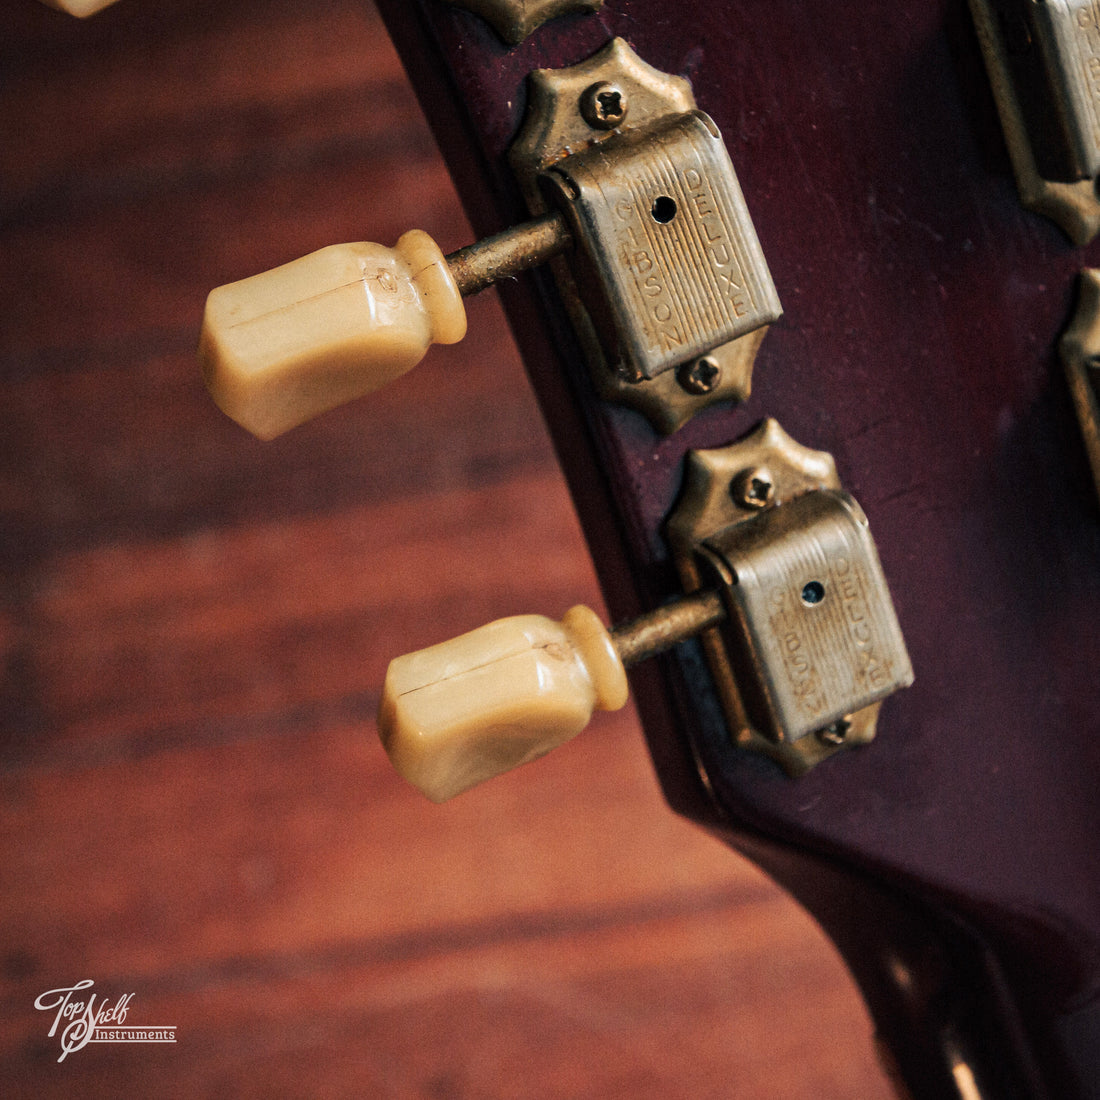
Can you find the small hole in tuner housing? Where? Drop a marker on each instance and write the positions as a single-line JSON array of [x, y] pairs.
[[813, 593], [664, 209]]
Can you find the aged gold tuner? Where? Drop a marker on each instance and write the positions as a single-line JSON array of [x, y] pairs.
[[661, 269], [1043, 59], [789, 601]]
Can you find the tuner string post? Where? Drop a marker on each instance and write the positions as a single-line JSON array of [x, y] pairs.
[[506, 254], [658, 630]]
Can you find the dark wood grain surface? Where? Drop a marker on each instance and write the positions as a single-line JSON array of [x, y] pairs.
[[194, 627]]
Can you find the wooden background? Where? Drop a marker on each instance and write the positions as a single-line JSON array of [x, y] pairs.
[[194, 627]]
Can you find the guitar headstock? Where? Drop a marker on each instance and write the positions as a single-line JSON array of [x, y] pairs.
[[196, 626], [922, 310], [922, 307]]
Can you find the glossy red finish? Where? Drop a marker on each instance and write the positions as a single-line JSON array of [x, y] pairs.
[[923, 305]]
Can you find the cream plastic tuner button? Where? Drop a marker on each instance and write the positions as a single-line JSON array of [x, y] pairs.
[[284, 346], [281, 347], [461, 712]]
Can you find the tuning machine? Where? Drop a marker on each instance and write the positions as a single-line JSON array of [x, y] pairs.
[[785, 592], [1043, 59], [672, 295], [657, 260], [811, 644]]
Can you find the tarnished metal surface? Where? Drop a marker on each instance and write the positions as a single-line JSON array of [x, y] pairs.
[[814, 645], [653, 633], [579, 115], [675, 265], [479, 265], [1045, 86], [812, 613], [1067, 34]]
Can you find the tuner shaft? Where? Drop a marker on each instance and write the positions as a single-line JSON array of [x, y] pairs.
[[506, 254], [658, 630]]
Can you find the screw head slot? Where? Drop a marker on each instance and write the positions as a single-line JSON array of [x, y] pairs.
[[699, 376], [604, 105], [837, 733], [753, 488]]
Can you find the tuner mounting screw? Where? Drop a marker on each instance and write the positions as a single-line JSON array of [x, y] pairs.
[[753, 488], [604, 105], [699, 376], [836, 734]]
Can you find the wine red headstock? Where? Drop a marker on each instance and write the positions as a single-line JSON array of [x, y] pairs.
[[918, 345]]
